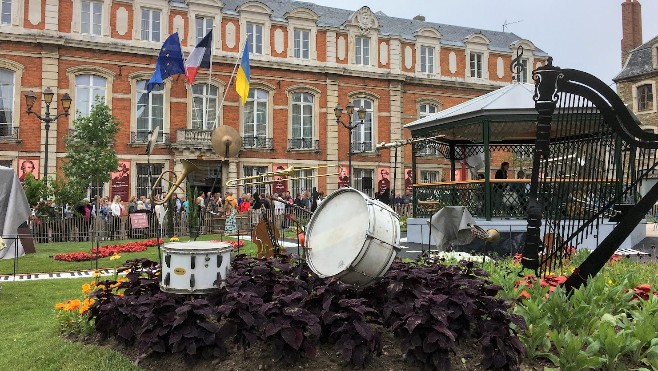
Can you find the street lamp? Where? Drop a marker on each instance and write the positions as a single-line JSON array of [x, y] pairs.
[[338, 111], [30, 99]]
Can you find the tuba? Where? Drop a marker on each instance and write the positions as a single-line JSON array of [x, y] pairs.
[[188, 167]]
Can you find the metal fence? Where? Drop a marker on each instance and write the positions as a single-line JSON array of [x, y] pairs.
[[122, 228]]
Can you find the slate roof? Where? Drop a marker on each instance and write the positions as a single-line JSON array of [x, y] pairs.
[[405, 28], [513, 98], [639, 61]]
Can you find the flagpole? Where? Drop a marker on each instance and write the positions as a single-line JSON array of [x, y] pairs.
[[235, 68]]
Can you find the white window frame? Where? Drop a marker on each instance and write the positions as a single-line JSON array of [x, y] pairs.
[[430, 176], [252, 170], [304, 180], [256, 129], [304, 126], [363, 133], [97, 87], [5, 12], [359, 174], [88, 20], [427, 59], [476, 64], [9, 86], [149, 107], [154, 31], [209, 119], [202, 29], [362, 49], [648, 102], [254, 31], [302, 43], [426, 109], [635, 95]]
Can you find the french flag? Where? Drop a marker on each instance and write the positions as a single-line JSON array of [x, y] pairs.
[[199, 58]]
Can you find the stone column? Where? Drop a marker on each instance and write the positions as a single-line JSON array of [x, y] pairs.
[[396, 134], [49, 78], [332, 131], [233, 174]]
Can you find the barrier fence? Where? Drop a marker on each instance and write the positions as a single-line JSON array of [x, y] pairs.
[[77, 229]]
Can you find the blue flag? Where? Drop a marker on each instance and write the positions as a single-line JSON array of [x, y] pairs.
[[170, 62]]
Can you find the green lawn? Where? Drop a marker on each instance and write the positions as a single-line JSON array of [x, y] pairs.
[[30, 338], [42, 261]]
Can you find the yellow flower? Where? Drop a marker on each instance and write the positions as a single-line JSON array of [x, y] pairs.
[[96, 274], [86, 288], [609, 282], [59, 306], [115, 256]]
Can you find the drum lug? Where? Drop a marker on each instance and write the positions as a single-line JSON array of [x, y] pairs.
[[168, 260], [166, 280], [219, 279], [192, 281], [192, 261], [220, 259]]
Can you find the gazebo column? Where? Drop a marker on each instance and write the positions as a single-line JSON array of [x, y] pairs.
[[414, 197], [488, 209], [453, 157]]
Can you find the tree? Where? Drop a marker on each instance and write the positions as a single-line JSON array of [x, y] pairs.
[[35, 189], [66, 191], [90, 147]]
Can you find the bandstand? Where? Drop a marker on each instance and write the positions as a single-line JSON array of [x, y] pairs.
[[474, 138]]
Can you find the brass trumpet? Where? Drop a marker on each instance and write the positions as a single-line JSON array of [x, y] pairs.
[[188, 168], [264, 178]]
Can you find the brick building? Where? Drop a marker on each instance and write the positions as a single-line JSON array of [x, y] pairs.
[[636, 83], [305, 60]]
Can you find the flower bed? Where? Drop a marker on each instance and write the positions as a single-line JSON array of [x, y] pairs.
[[105, 251], [281, 307]]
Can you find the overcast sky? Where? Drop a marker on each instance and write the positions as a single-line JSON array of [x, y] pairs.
[[579, 34]]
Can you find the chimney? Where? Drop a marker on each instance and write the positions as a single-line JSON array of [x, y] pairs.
[[631, 22], [419, 18]]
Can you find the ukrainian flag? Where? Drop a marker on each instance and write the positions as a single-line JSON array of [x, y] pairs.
[[243, 77]]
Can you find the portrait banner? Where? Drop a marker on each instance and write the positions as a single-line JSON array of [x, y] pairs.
[[408, 180], [383, 179], [27, 166], [280, 184], [120, 185], [343, 176]]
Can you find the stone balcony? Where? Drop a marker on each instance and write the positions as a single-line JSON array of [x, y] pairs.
[[192, 139]]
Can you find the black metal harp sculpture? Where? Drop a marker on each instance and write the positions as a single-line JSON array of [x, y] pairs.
[[590, 157]]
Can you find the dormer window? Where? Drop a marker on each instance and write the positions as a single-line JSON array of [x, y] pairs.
[[645, 98], [255, 37], [524, 73], [476, 65], [362, 51], [151, 25], [302, 43], [203, 26], [426, 59]]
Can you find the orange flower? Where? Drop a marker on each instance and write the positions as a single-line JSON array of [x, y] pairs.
[[524, 295], [59, 306], [86, 288]]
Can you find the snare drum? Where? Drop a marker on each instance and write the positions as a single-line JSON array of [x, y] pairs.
[[195, 267], [352, 237]]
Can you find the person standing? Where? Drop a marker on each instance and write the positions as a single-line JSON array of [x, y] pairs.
[[499, 188], [116, 211], [230, 210]]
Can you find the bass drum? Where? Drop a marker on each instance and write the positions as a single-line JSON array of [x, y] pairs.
[[352, 238], [195, 267]]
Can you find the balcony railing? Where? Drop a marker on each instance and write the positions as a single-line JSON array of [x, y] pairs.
[[141, 137], [193, 138], [257, 143], [7, 132], [304, 143], [360, 147]]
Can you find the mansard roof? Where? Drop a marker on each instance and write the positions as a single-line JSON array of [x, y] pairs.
[[639, 61], [388, 26]]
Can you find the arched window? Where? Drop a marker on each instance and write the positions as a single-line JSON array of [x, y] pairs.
[[302, 120], [427, 109], [362, 134], [255, 119], [150, 111], [204, 106], [6, 102], [87, 88]]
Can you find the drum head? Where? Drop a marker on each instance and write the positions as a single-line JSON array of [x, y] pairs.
[[336, 232]]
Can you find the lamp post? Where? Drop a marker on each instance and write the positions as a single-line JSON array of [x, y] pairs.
[[338, 111], [48, 95]]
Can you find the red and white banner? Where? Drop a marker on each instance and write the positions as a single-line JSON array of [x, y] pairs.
[[383, 179], [408, 180], [120, 185], [343, 177], [280, 184]]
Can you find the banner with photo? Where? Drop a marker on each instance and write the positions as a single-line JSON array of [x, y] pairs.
[[408, 180], [383, 179], [280, 184], [343, 176], [27, 166], [120, 184]]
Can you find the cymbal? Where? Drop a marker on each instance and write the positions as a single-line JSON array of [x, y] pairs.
[[226, 141]]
